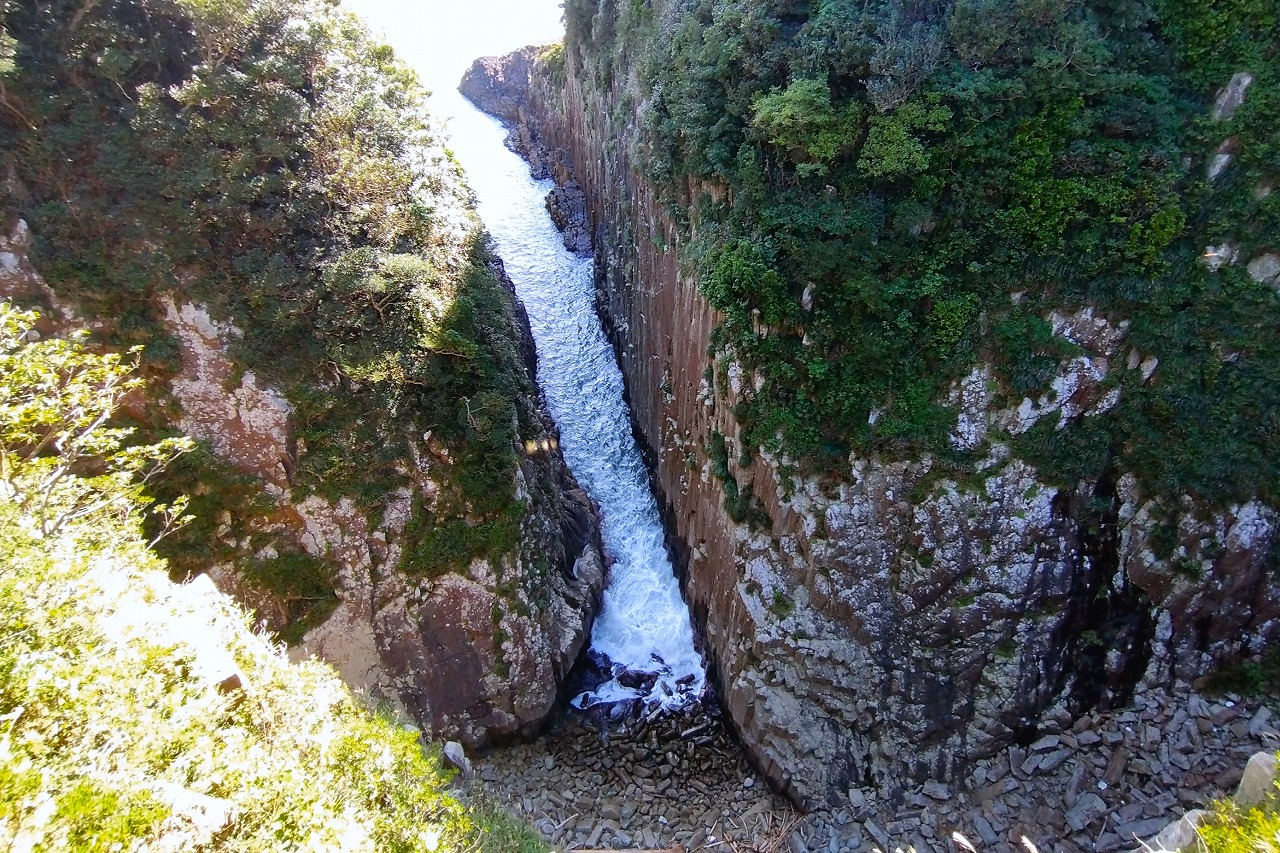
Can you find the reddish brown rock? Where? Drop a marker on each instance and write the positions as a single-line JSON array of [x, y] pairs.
[[475, 655]]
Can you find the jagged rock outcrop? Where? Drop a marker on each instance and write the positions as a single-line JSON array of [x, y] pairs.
[[894, 620], [567, 205], [473, 656], [499, 85]]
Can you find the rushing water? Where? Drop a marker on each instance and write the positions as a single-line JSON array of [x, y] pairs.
[[643, 626], [644, 623]]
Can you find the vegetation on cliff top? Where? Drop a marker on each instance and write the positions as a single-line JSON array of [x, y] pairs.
[[1232, 829], [939, 177], [270, 160], [115, 733]]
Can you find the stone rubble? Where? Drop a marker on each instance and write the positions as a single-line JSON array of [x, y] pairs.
[[680, 779], [1096, 784]]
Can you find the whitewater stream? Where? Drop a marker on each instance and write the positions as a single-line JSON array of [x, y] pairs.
[[644, 624]]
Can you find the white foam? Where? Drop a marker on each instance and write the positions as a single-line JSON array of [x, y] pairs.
[[644, 624]]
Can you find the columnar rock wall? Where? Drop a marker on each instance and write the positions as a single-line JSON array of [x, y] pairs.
[[895, 621]]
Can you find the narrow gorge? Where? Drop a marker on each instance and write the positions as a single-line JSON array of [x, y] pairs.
[[318, 306], [752, 425], [642, 633], [892, 615]]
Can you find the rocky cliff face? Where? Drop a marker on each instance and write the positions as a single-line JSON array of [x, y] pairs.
[[893, 620], [298, 262], [472, 655]]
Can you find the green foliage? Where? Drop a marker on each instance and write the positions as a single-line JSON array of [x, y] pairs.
[[8, 50], [741, 273], [268, 159], [741, 503], [552, 59], [498, 832], [892, 149], [224, 505], [302, 583], [439, 545], [94, 817], [1217, 38], [1231, 829], [60, 459], [950, 319], [939, 182], [1250, 677], [104, 711], [1032, 352], [801, 121]]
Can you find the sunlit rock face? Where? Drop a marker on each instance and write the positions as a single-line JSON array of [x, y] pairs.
[[245, 424], [893, 621], [475, 655], [471, 656], [498, 84]]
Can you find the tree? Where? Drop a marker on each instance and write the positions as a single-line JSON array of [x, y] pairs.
[[60, 458], [802, 120]]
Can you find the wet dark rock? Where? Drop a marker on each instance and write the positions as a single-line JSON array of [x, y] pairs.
[[637, 680], [567, 205]]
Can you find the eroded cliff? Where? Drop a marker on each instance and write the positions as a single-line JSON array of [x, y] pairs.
[[894, 614], [315, 302]]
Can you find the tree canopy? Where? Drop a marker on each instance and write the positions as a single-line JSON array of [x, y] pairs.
[[272, 161], [939, 177]]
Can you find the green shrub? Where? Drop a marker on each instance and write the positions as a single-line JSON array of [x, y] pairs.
[[892, 148], [915, 176], [104, 712], [1250, 677], [801, 121], [781, 606], [1231, 829], [741, 274], [435, 546], [302, 583]]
